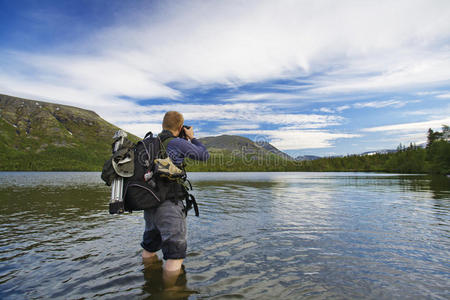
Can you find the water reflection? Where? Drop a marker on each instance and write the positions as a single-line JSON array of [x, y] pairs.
[[259, 235], [440, 186], [162, 285]]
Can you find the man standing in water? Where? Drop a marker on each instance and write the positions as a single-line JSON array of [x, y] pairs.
[[165, 225]]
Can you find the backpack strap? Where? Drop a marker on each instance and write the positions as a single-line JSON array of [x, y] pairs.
[[164, 144], [191, 203], [148, 134]]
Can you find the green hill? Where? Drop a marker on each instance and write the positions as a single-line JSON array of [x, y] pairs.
[[237, 153], [43, 136], [40, 136], [241, 145]]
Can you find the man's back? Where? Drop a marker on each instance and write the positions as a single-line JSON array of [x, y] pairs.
[[165, 226]]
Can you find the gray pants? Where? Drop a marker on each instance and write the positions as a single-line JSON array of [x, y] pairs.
[[165, 228]]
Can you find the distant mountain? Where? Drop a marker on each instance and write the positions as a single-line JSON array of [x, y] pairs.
[[271, 148], [307, 157], [36, 135], [387, 151], [424, 145], [241, 145], [229, 143], [383, 151]]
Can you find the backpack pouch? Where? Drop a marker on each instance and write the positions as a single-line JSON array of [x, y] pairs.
[[139, 196]]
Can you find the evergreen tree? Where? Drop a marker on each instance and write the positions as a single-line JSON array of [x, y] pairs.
[[433, 136], [438, 151]]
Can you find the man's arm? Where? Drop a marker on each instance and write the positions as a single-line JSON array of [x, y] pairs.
[[179, 148], [201, 152]]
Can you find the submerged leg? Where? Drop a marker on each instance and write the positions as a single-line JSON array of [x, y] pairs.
[[147, 254], [172, 271], [173, 265]]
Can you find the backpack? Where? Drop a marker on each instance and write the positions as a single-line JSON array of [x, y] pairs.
[[153, 179], [141, 190]]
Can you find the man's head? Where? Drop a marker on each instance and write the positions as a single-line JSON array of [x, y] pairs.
[[173, 121]]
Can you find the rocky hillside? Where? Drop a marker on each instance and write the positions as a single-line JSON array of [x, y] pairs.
[[41, 136], [241, 145], [274, 150], [36, 135]]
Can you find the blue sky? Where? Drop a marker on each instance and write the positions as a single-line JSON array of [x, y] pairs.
[[310, 77]]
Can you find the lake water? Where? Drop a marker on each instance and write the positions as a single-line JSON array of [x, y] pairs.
[[259, 235]]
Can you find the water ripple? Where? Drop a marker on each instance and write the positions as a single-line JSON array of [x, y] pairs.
[[260, 235]]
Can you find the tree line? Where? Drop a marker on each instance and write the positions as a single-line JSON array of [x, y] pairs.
[[433, 159]]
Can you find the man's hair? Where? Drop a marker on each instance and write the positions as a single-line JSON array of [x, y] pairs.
[[172, 120]]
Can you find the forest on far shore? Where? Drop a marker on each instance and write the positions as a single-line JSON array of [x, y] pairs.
[[433, 159]]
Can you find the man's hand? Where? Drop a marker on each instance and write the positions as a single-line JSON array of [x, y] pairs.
[[189, 132]]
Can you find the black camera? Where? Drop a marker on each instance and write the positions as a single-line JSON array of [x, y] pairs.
[[182, 133]]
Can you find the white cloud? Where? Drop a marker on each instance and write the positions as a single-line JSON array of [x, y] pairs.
[[236, 126], [342, 108], [140, 129], [443, 96], [236, 113], [406, 133], [288, 139], [397, 71], [330, 110], [302, 120], [369, 104], [353, 45], [426, 93], [435, 113], [266, 96], [410, 127], [329, 47], [246, 118], [380, 104], [404, 139], [326, 110], [220, 42]]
